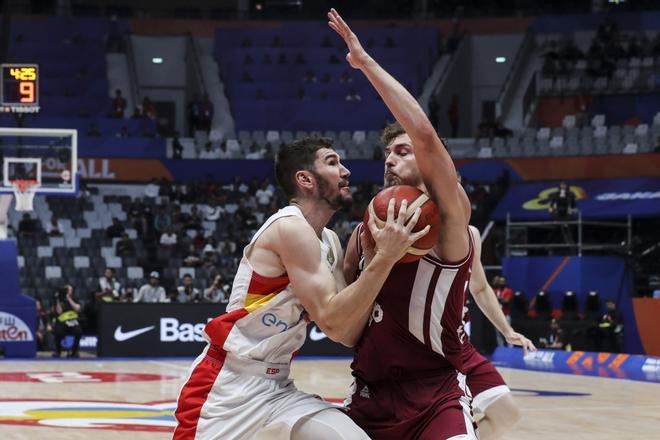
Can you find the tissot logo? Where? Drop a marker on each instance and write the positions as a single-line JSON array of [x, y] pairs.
[[315, 334], [121, 336]]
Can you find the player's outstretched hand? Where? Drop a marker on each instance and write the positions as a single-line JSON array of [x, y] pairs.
[[515, 338], [394, 239], [357, 56]]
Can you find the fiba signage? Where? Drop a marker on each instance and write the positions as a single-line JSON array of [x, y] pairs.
[[154, 329], [14, 329]]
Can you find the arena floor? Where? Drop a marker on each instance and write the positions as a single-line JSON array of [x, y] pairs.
[[133, 399]]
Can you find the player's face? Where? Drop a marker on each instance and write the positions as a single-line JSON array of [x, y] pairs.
[[400, 165], [332, 179]]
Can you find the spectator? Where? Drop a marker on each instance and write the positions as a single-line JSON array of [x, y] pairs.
[[206, 112], [223, 153], [216, 292], [54, 227], [93, 130], [162, 220], [44, 328], [378, 153], [192, 258], [248, 59], [125, 246], [109, 287], [264, 194], [149, 109], [609, 335], [562, 204], [555, 339], [152, 292], [27, 227], [208, 152], [213, 212], [209, 257], [152, 189], [187, 293], [115, 229], [177, 148], [334, 59], [504, 296], [66, 310], [168, 237], [353, 95], [123, 133], [194, 221], [118, 105], [309, 77], [657, 145], [127, 294], [282, 59]]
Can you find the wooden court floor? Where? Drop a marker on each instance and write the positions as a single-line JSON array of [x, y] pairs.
[[134, 399]]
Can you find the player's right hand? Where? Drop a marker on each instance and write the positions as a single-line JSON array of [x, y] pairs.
[[357, 56], [394, 239]]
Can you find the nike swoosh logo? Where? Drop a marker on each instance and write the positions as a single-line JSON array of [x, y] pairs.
[[316, 335], [121, 336]]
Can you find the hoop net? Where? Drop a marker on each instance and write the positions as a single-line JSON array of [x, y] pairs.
[[24, 191]]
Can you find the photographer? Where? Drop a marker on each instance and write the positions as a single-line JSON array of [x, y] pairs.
[[216, 292], [187, 293], [66, 310]]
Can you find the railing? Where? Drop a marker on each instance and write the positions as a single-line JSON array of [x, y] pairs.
[[197, 67], [578, 247], [529, 98], [512, 79], [132, 71]]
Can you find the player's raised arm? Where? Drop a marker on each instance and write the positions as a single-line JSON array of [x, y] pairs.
[[435, 164], [341, 315]]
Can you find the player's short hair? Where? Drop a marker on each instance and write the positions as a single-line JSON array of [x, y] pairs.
[[391, 132], [299, 155]]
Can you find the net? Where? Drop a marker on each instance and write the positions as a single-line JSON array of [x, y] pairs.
[[24, 191]]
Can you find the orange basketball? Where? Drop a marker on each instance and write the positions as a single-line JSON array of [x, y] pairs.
[[416, 199]]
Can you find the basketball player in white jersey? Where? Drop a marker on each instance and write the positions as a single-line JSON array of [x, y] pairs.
[[239, 388]]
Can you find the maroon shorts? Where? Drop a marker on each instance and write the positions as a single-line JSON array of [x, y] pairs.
[[431, 408], [484, 382]]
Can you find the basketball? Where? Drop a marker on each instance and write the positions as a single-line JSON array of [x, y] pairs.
[[416, 199]]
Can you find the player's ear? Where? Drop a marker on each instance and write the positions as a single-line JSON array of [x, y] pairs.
[[304, 179]]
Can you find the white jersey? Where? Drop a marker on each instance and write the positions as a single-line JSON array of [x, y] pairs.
[[264, 319]]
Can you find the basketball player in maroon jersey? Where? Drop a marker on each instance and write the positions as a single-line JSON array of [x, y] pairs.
[[408, 361]]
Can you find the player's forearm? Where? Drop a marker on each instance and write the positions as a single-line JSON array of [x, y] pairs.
[[346, 312], [406, 110], [487, 303]]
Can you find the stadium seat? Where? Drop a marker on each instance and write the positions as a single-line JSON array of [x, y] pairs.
[[630, 148], [44, 251], [113, 262], [359, 136], [186, 270], [53, 272], [598, 121], [134, 273], [80, 262]]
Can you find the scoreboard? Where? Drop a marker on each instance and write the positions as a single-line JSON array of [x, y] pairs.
[[20, 88]]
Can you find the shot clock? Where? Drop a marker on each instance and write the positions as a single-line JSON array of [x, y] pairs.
[[20, 88]]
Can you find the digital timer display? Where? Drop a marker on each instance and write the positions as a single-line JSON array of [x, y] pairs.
[[20, 88]]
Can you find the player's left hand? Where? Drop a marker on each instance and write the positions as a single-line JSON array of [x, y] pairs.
[[357, 57], [516, 338]]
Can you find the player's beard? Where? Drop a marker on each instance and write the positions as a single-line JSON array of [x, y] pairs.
[[336, 201], [391, 180]]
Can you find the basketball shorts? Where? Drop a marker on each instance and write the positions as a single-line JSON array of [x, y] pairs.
[[431, 408], [484, 382], [230, 398]]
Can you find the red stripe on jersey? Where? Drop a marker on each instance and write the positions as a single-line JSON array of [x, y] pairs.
[[427, 307], [261, 285], [218, 329], [194, 394]]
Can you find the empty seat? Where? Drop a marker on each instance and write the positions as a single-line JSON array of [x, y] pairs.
[[113, 262], [107, 252], [598, 120], [134, 273], [80, 262], [600, 132], [485, 153], [186, 270], [543, 133], [57, 241], [557, 142], [359, 136], [53, 272], [44, 251]]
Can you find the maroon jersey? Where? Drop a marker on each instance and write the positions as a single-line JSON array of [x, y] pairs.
[[416, 326]]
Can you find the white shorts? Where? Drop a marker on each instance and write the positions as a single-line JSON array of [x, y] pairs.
[[233, 398]]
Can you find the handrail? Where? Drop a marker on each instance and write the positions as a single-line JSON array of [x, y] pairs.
[[513, 77], [132, 71], [196, 64]]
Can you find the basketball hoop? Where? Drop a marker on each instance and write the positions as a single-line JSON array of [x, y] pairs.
[[24, 191]]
